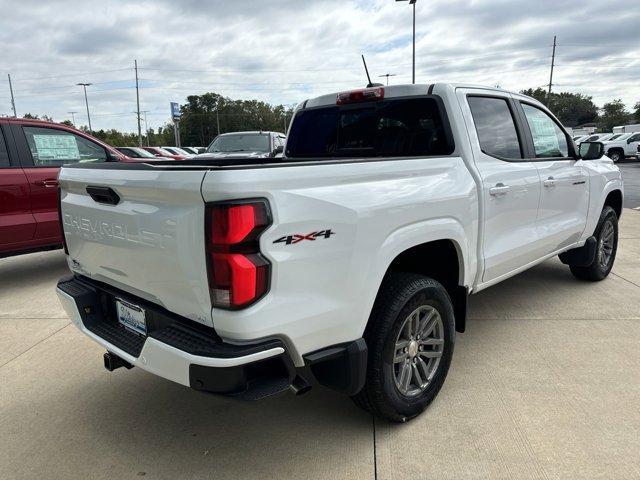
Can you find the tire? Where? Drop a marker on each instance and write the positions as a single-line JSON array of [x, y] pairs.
[[409, 306], [605, 252], [616, 156]]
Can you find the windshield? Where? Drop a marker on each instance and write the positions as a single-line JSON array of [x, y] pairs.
[[240, 143], [402, 127], [615, 136], [142, 152], [624, 136]]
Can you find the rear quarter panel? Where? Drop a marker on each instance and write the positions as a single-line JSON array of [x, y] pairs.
[[322, 290]]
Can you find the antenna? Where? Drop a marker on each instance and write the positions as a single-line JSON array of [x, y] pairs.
[[369, 85]]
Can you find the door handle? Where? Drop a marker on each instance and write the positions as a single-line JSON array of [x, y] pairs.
[[49, 183], [549, 182], [499, 190]]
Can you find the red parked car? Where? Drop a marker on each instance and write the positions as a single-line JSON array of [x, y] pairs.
[[31, 154], [161, 152]]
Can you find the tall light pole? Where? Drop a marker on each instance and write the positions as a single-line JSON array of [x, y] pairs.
[[413, 75], [388, 75], [73, 118], [86, 101]]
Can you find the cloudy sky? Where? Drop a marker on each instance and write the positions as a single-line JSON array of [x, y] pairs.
[[283, 51]]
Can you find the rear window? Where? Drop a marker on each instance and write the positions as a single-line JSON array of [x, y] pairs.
[[403, 127]]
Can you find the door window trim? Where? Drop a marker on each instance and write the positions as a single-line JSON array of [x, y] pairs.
[[516, 121], [6, 135], [571, 151]]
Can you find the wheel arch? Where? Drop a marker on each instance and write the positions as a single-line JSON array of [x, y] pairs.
[[442, 260], [614, 200]]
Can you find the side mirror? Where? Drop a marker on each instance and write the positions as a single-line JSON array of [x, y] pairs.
[[591, 150], [279, 149], [629, 140]]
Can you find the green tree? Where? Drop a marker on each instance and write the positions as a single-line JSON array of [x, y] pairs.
[[613, 113], [636, 113], [202, 114], [572, 109], [67, 122]]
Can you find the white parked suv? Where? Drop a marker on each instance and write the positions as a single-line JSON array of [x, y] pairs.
[[626, 145], [346, 263]]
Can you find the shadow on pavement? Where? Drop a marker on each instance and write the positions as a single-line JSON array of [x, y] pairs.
[[135, 423], [26, 270]]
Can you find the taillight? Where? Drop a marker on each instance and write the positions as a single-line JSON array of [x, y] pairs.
[[361, 95], [238, 274]]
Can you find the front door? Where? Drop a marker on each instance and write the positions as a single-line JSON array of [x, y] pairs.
[[564, 201], [510, 185]]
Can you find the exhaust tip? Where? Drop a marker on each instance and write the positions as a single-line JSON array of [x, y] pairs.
[[299, 386]]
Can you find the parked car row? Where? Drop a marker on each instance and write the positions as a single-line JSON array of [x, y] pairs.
[[617, 146]]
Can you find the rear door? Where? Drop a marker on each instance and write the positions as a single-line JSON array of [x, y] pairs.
[[564, 201], [510, 183], [43, 150], [17, 225]]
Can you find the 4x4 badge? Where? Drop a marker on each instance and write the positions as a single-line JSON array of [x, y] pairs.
[[297, 238]]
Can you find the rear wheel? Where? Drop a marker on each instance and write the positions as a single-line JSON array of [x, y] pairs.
[[410, 338], [607, 237]]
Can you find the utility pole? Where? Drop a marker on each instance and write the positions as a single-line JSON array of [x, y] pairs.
[[73, 118], [388, 75], [553, 60], [13, 100], [86, 101], [135, 66]]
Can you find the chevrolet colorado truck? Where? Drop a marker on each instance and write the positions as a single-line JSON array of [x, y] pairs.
[[346, 263]]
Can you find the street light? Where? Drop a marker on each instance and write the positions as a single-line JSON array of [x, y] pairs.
[[413, 2], [86, 101], [388, 75]]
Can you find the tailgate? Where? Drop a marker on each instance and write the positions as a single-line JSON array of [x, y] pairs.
[[150, 243]]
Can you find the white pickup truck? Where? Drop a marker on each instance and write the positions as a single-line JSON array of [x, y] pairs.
[[348, 262], [625, 145]]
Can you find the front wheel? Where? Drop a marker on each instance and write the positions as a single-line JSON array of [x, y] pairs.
[[410, 338], [607, 245], [616, 156]]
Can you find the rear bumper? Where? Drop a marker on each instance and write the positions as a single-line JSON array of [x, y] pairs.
[[175, 349]]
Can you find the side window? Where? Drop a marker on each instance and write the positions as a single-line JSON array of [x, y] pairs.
[[635, 138], [51, 147], [549, 140], [4, 155], [496, 127]]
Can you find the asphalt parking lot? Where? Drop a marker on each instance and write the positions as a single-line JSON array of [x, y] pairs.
[[545, 383], [630, 169]]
